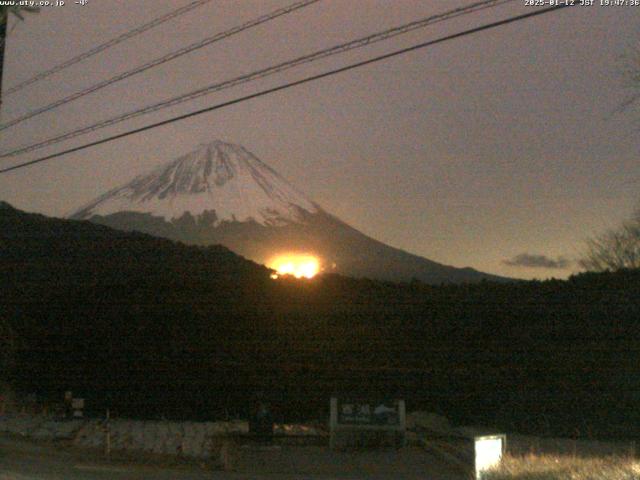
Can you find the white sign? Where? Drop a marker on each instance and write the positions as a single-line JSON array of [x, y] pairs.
[[488, 452]]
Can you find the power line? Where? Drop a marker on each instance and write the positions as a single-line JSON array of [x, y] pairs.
[[293, 84], [320, 54], [110, 43], [161, 60]]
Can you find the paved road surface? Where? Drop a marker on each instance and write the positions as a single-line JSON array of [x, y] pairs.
[[21, 459]]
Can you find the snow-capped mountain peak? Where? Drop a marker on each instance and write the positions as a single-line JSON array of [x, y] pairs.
[[217, 177]]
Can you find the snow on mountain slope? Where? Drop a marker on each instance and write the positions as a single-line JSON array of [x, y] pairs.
[[222, 194], [218, 177]]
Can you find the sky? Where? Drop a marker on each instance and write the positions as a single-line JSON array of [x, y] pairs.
[[503, 150]]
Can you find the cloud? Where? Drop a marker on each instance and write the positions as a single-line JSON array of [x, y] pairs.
[[537, 261]]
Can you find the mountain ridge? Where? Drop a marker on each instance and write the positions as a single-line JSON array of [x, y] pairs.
[[240, 185], [221, 193]]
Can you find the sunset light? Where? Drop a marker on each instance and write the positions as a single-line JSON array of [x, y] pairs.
[[298, 265]]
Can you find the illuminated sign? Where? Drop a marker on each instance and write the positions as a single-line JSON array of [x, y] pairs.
[[488, 452]]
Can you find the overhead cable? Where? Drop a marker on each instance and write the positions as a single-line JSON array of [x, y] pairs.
[[291, 84], [103, 46], [318, 55], [159, 61]]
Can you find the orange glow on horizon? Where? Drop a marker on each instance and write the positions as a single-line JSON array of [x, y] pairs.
[[298, 265]]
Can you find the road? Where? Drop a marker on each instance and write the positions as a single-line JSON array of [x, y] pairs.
[[22, 459]]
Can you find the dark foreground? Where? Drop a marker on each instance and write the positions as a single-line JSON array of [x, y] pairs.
[[21, 459], [152, 329]]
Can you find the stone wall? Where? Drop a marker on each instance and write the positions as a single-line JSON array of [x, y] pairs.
[[190, 439]]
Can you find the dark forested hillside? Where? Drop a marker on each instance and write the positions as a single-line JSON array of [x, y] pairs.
[[149, 327]]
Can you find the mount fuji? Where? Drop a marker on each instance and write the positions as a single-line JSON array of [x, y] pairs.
[[221, 193]]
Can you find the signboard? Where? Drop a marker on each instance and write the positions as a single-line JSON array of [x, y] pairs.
[[488, 452], [368, 413], [365, 423]]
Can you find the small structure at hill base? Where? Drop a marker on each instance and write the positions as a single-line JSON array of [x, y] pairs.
[[261, 424], [367, 423], [77, 404]]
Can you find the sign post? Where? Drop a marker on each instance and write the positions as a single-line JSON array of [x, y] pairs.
[[367, 423], [488, 452]]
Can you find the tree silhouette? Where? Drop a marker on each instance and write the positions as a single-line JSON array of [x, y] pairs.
[[615, 249]]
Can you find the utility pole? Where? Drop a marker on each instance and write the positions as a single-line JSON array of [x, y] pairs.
[[3, 36], [4, 25]]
